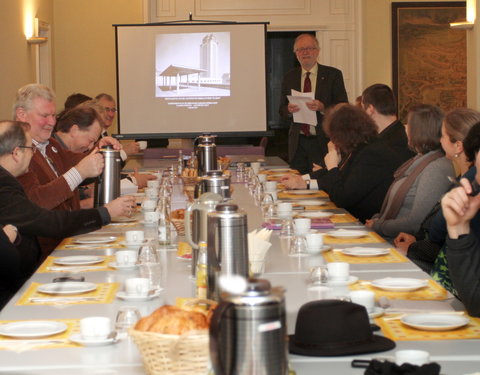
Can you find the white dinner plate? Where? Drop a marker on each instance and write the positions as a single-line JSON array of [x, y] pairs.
[[123, 219], [315, 214], [399, 284], [68, 287], [32, 329], [122, 266], [78, 339], [79, 260], [94, 239], [365, 251], [434, 322], [301, 192], [347, 233], [124, 296], [311, 202]]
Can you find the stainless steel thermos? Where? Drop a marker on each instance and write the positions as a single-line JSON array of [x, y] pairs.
[[107, 185], [213, 182], [248, 333], [206, 152], [227, 239]]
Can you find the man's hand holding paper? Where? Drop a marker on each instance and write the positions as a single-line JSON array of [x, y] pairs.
[[303, 114]]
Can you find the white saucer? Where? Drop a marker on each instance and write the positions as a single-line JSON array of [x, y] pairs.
[[319, 250], [78, 339], [130, 244], [351, 279], [122, 295], [122, 267], [377, 311]]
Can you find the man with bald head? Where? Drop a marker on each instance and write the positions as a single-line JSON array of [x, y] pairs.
[[308, 144], [16, 151]]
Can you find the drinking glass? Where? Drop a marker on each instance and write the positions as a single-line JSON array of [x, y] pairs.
[[319, 275], [287, 228], [298, 248], [147, 254], [127, 316], [267, 206], [152, 272]]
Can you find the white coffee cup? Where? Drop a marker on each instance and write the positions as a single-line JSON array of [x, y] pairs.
[[125, 257], [149, 205], [95, 328], [255, 165], [314, 241], [262, 177], [153, 184], [270, 186], [284, 208], [137, 286], [151, 217], [142, 144], [365, 298], [338, 271], [414, 357], [134, 236], [151, 193], [302, 225]]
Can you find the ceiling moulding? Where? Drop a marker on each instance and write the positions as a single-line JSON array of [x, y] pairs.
[[252, 7]]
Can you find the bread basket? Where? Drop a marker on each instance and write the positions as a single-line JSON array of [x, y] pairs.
[[173, 354], [178, 223]]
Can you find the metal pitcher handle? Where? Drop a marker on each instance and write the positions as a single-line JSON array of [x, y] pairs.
[[188, 225]]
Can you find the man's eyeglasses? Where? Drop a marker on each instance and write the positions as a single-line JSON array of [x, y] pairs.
[[305, 49], [108, 109], [33, 148]]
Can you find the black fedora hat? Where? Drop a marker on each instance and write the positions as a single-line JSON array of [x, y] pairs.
[[334, 327]]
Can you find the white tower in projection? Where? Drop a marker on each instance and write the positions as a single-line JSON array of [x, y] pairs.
[[209, 56]]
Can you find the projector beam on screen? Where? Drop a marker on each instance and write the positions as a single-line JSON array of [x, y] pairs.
[[182, 80]]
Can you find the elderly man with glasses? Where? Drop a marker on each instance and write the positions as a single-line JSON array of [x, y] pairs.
[[308, 144]]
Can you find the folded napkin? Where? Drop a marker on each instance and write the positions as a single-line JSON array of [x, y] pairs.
[[258, 244]]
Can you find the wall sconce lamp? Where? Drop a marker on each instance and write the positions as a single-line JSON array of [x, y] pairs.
[[37, 40], [471, 16]]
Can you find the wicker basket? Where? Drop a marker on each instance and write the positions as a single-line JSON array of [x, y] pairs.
[[172, 354], [179, 225]]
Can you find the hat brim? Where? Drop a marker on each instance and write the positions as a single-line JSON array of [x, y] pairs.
[[377, 344]]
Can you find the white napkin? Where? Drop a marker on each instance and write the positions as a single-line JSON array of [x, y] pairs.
[[258, 244]]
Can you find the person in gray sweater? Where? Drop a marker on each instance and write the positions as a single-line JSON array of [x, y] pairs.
[[421, 181]]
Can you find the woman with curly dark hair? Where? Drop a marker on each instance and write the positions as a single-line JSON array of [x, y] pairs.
[[358, 167]]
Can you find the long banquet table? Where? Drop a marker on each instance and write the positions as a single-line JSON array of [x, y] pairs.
[[455, 356]]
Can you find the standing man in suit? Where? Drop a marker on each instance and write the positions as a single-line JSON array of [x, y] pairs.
[[308, 144]]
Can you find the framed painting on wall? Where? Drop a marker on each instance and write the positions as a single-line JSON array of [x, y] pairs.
[[429, 58]]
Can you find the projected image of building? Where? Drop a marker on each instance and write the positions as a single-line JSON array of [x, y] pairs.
[[211, 76]]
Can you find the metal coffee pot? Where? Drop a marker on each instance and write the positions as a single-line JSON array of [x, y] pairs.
[[206, 152], [214, 182], [248, 333], [107, 185], [196, 222], [227, 251]]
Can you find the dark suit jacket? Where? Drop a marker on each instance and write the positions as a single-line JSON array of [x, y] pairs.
[[394, 136], [329, 89], [32, 220], [9, 268], [361, 185]]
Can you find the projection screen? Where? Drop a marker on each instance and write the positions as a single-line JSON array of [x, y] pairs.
[[181, 80]]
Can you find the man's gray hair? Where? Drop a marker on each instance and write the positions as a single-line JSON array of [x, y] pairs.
[[12, 134], [105, 96], [26, 95], [313, 37]]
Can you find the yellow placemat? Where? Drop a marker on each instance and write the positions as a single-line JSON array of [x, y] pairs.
[[50, 262], [337, 256], [396, 330], [343, 218], [432, 291], [105, 293], [19, 345], [68, 244], [318, 194], [371, 237]]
